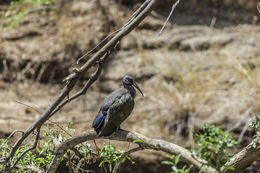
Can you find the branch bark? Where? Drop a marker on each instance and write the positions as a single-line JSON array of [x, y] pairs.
[[122, 135], [245, 157]]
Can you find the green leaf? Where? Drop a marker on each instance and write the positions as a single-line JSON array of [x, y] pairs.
[[175, 169], [110, 167], [100, 164], [177, 159], [137, 140], [166, 162], [229, 167], [38, 150]]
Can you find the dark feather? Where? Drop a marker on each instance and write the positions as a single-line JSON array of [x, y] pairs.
[[99, 121]]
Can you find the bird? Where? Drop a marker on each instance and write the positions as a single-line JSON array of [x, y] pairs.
[[116, 108]]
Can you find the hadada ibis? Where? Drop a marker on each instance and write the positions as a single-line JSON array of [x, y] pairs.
[[116, 108]]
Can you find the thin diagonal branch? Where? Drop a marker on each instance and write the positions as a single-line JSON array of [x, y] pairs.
[[41, 113], [28, 149], [138, 11], [118, 163], [111, 44], [83, 91], [45, 116], [11, 135], [169, 16]]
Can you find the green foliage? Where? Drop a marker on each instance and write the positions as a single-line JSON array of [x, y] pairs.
[[256, 125], [110, 155], [211, 145], [39, 159], [174, 164], [84, 150], [18, 9]]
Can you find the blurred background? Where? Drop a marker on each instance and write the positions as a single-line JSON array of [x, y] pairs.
[[203, 68]]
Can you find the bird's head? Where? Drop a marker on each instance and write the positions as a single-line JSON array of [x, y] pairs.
[[129, 81]]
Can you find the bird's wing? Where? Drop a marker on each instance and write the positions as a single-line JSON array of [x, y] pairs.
[[99, 121], [100, 118], [115, 115]]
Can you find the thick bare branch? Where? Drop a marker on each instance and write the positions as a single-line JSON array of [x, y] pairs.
[[245, 157], [122, 135]]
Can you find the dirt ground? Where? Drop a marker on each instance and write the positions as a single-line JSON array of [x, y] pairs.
[[201, 69]]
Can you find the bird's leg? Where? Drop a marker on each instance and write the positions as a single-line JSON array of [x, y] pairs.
[[118, 128]]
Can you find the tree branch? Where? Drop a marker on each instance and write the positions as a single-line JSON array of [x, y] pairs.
[[28, 149], [118, 163], [245, 157], [122, 135], [73, 78], [11, 135]]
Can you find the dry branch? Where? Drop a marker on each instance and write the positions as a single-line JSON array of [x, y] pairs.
[[122, 135], [73, 78], [117, 166], [245, 157], [11, 135], [28, 149], [239, 162]]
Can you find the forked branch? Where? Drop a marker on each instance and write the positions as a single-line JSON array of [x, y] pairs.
[[122, 135]]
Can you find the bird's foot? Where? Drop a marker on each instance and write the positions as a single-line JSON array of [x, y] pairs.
[[118, 128]]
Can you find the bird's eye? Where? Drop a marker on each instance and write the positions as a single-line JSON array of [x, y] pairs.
[[128, 80]]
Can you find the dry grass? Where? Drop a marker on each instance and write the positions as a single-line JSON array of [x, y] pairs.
[[195, 89]]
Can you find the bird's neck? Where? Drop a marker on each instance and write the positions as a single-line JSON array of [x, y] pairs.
[[131, 89]]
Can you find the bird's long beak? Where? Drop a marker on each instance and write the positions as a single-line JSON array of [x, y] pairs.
[[136, 86]]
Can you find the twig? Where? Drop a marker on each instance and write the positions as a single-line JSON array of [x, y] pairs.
[[79, 168], [242, 119], [244, 158], [95, 48], [111, 44], [96, 146], [138, 11], [119, 161], [47, 120], [83, 91], [69, 162], [10, 137], [75, 150], [122, 135], [244, 130], [168, 18], [40, 121], [28, 149]]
